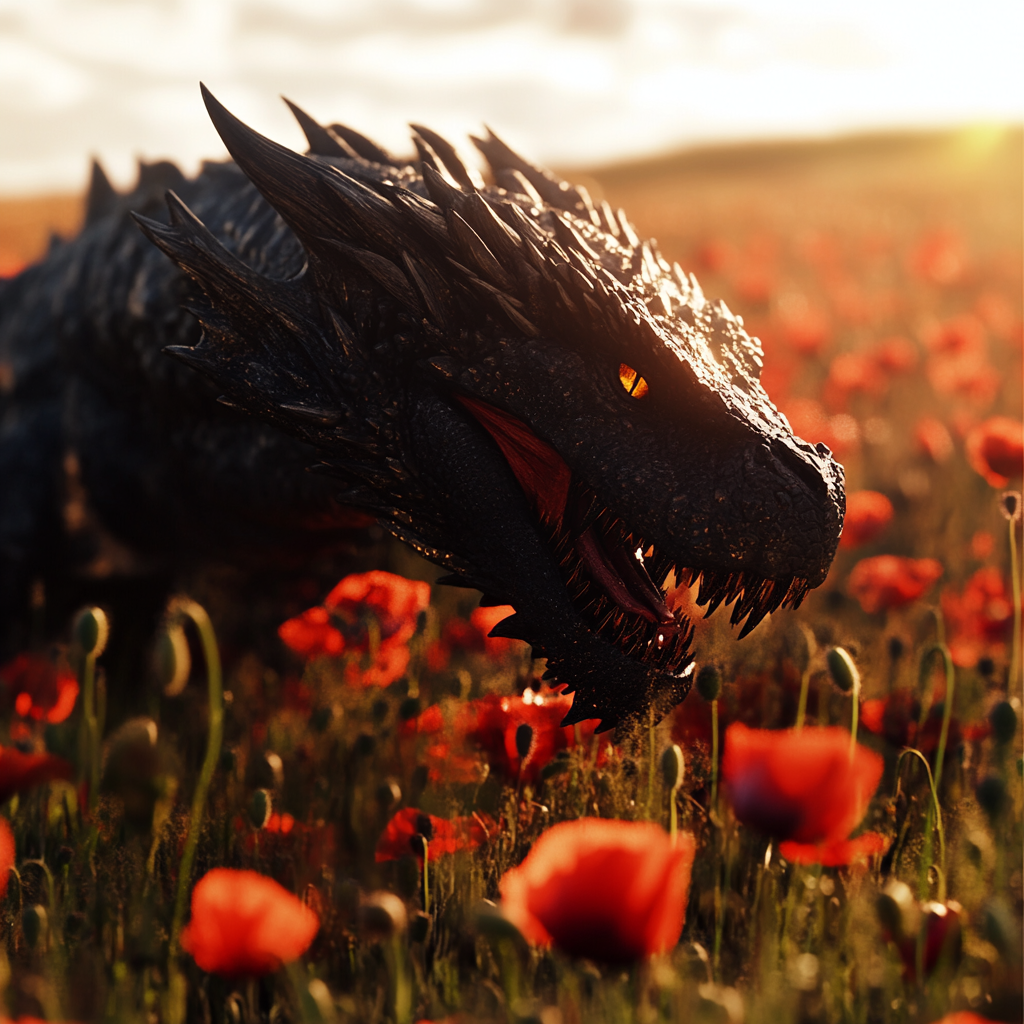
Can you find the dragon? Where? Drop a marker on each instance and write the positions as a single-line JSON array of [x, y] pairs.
[[503, 375]]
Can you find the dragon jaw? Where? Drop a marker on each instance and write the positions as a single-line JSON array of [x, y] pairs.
[[462, 357]]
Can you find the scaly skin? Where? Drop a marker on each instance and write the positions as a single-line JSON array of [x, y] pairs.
[[505, 376]]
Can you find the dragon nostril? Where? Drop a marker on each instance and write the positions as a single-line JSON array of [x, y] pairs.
[[806, 468]]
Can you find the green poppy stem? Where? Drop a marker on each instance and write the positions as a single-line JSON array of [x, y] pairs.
[[936, 808], [426, 879], [855, 716], [714, 755], [194, 611], [1015, 659]]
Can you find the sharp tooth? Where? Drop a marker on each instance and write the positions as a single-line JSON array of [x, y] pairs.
[[752, 622], [777, 596]]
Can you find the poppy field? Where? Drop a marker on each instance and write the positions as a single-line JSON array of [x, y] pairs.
[[349, 803]]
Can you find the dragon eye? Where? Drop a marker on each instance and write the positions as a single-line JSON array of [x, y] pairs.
[[634, 384]]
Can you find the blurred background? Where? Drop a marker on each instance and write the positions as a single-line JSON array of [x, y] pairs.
[[572, 82]]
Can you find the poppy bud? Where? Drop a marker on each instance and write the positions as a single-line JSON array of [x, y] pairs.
[[382, 915], [491, 922], [388, 794], [842, 669], [380, 710], [64, 856], [524, 739], [320, 718], [91, 630], [268, 771], [673, 766], [419, 927], [409, 708], [172, 661], [898, 911], [1003, 719], [1009, 503], [709, 682], [33, 924], [364, 744], [999, 926], [895, 648], [991, 794], [558, 765], [261, 805]]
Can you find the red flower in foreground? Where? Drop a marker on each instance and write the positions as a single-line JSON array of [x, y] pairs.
[[7, 854], [868, 513], [995, 449], [444, 836], [803, 788], [341, 624], [979, 618], [19, 771], [612, 891], [245, 924], [42, 690], [890, 581]]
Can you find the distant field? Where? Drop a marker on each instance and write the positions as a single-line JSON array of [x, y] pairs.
[[969, 179]]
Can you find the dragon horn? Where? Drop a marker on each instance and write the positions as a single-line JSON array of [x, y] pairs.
[[293, 184]]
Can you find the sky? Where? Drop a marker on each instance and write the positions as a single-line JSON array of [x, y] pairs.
[[568, 82]]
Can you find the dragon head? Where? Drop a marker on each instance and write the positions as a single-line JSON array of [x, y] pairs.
[[522, 389]]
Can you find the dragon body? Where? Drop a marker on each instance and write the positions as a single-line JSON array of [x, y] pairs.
[[505, 376]]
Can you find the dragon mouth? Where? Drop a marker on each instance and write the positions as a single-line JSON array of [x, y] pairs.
[[617, 580]]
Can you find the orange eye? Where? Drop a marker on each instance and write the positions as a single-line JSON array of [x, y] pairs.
[[634, 384]]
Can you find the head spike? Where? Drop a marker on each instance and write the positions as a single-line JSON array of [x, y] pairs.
[[366, 148], [321, 141], [445, 151], [102, 197]]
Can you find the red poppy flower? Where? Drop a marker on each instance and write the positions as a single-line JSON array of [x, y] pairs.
[[445, 836], [245, 924], [983, 544], [941, 926], [868, 513], [19, 771], [890, 581], [810, 421], [939, 258], [311, 634], [389, 665], [7, 854], [473, 635], [802, 787], [341, 624], [492, 723], [608, 890], [932, 438], [485, 619], [42, 690], [978, 618], [853, 372], [995, 449], [896, 355]]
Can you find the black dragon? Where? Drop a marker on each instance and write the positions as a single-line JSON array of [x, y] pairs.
[[505, 376]]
